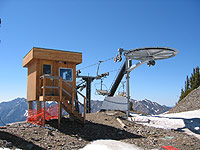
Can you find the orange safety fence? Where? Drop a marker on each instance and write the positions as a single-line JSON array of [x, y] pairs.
[[36, 116]]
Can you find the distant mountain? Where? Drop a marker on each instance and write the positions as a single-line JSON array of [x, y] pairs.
[[13, 111], [95, 105], [17, 109], [149, 107], [144, 106]]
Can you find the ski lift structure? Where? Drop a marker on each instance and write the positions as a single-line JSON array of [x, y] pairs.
[[144, 55], [148, 55], [85, 82]]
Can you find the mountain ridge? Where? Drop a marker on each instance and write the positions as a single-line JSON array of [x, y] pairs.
[[16, 110]]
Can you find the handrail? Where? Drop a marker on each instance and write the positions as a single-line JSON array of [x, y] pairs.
[[50, 87], [67, 83], [55, 77], [66, 92], [48, 76], [44, 77]]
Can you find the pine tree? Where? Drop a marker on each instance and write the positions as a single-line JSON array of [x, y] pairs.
[[187, 84], [191, 83], [196, 82]]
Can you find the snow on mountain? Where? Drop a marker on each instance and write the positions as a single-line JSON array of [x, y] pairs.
[[149, 107], [13, 111], [17, 109]]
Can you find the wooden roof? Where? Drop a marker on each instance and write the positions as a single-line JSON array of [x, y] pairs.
[[51, 54]]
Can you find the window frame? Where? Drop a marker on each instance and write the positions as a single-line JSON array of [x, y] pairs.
[[43, 69], [66, 68]]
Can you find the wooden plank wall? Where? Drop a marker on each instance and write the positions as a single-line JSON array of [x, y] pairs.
[[31, 81], [55, 72], [67, 65]]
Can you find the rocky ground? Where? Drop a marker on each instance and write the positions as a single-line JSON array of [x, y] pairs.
[[103, 125], [190, 102]]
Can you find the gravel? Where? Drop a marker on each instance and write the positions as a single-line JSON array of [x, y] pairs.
[[72, 135]]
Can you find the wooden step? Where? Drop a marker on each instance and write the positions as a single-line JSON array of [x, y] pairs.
[[50, 98], [69, 110]]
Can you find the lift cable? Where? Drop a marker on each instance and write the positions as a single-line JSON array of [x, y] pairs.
[[96, 63]]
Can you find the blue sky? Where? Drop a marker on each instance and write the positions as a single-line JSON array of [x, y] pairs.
[[97, 28]]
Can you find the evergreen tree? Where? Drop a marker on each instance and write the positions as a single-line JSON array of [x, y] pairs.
[[197, 77], [191, 83]]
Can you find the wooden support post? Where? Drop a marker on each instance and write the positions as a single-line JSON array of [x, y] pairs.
[[39, 85], [38, 106], [59, 103], [30, 107], [43, 113], [44, 85], [59, 113]]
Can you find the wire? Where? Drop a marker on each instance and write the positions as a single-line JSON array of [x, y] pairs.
[[96, 63], [113, 70]]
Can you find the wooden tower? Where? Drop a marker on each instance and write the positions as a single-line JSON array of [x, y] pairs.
[[52, 77]]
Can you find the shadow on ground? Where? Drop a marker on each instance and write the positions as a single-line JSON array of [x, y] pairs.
[[193, 124], [91, 131], [18, 142]]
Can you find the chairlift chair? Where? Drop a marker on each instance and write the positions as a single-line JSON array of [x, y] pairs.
[[122, 93], [101, 91]]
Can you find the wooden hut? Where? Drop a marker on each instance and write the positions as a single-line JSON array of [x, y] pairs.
[[52, 77]]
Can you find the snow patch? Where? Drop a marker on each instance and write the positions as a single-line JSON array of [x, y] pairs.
[[110, 145], [26, 113], [187, 121]]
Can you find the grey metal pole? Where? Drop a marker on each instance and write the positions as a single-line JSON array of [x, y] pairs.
[[127, 86]]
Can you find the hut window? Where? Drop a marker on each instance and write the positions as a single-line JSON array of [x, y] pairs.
[[66, 73], [46, 69]]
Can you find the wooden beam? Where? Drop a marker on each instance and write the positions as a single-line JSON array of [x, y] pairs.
[[38, 106], [28, 58], [59, 102], [59, 113], [43, 113], [44, 84], [50, 98], [121, 123]]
